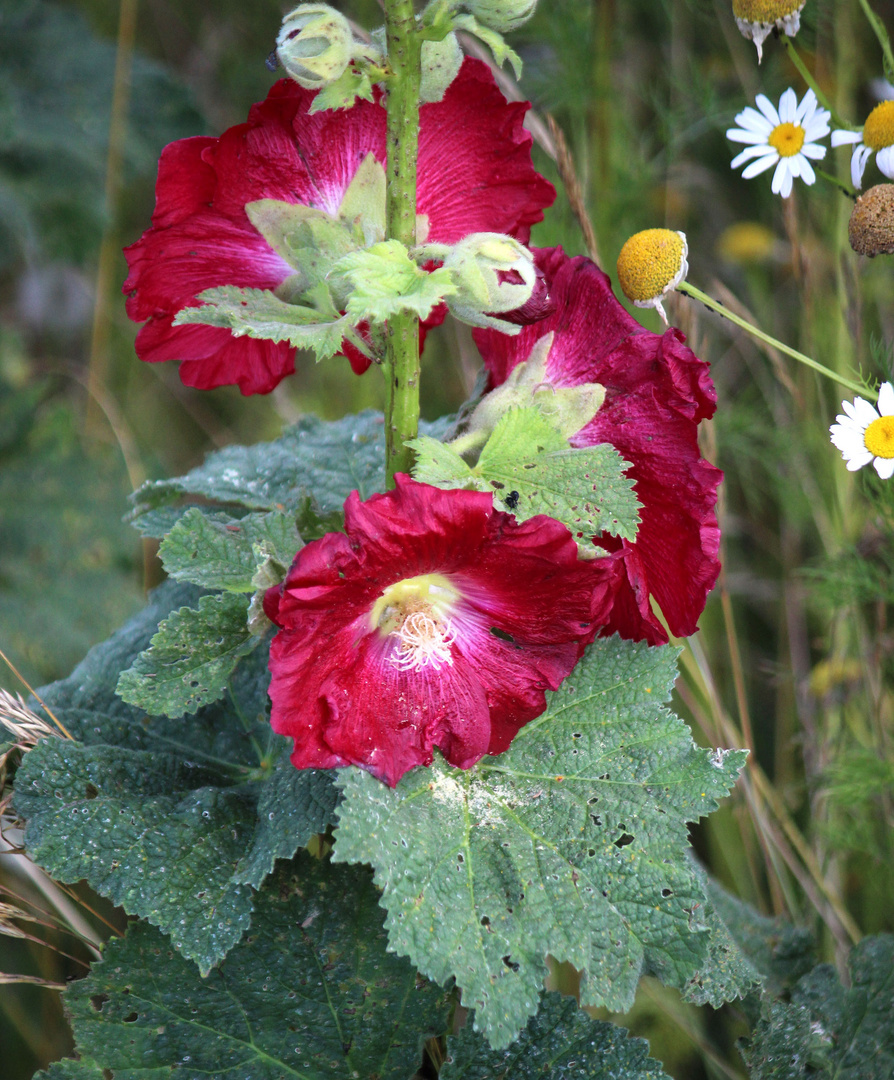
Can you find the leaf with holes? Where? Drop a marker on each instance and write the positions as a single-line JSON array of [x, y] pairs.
[[311, 992], [217, 551], [559, 1041], [171, 819], [572, 843], [191, 658]]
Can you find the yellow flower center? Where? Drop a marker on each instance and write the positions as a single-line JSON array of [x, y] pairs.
[[878, 131], [878, 438], [765, 11], [416, 612], [649, 262], [787, 139]]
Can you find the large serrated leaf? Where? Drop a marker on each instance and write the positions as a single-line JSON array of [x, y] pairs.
[[217, 551], [572, 843], [191, 658], [311, 992], [829, 1030], [144, 785], [385, 281], [259, 313], [560, 1041], [316, 459]]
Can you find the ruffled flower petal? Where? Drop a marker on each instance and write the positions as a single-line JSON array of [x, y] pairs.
[[524, 607], [657, 391], [475, 174]]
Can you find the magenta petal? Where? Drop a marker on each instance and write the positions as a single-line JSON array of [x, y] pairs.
[[657, 392], [525, 607]]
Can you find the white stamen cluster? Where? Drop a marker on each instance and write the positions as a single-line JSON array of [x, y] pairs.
[[424, 642]]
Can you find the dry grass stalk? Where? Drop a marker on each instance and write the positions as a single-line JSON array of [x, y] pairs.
[[568, 175]]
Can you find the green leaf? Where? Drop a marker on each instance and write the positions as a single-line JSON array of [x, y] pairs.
[[440, 465], [308, 239], [217, 551], [74, 1070], [363, 202], [259, 313], [559, 1041], [212, 798], [572, 843], [492, 39], [780, 952], [315, 459], [311, 992], [190, 658], [294, 804], [344, 91], [829, 1030], [385, 281]]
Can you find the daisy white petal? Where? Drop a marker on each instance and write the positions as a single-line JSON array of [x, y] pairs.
[[767, 108], [859, 158], [839, 138], [886, 399], [807, 107], [759, 166], [737, 135], [885, 161], [865, 413], [752, 152], [782, 179], [855, 463], [788, 106], [811, 150], [884, 467], [807, 172], [752, 120]]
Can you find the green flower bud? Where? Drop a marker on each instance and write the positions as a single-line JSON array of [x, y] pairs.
[[477, 263], [314, 45], [502, 15]]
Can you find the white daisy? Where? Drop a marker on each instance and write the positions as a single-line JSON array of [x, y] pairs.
[[785, 139], [757, 19], [876, 137], [866, 433]]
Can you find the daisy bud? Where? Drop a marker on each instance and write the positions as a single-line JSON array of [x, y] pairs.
[[314, 45], [871, 227], [652, 263], [494, 274], [502, 15], [757, 19]]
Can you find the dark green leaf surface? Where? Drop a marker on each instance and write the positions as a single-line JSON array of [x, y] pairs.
[[191, 658], [211, 797], [573, 843], [310, 993], [560, 1042], [217, 551], [831, 1031], [318, 460]]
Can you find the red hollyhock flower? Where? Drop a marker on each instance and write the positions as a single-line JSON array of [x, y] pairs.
[[657, 391], [434, 620], [475, 175]]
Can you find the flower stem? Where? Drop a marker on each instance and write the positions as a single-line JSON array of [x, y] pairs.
[[696, 294], [402, 336], [809, 79], [844, 188], [878, 28]]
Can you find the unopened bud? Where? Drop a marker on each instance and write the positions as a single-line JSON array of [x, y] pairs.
[[502, 15], [494, 274], [314, 45], [871, 227]]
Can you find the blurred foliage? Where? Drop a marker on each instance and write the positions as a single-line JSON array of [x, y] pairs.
[[796, 649]]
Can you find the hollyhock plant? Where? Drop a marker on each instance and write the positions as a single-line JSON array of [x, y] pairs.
[[475, 175], [656, 393], [433, 621]]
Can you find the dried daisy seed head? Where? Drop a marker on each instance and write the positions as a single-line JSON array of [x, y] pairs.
[[871, 227]]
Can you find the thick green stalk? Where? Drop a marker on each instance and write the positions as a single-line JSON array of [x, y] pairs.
[[402, 344]]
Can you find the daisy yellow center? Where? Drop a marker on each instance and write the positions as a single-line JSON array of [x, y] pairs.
[[649, 262], [878, 438], [878, 131], [787, 139], [765, 11], [416, 612]]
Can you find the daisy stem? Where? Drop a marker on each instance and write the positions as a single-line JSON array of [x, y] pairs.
[[402, 335], [809, 79], [878, 28], [690, 290], [835, 182]]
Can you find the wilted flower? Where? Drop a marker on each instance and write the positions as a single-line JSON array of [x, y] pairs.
[[434, 620], [757, 19], [784, 138], [877, 137], [871, 225], [475, 174], [656, 393], [864, 433], [652, 263]]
